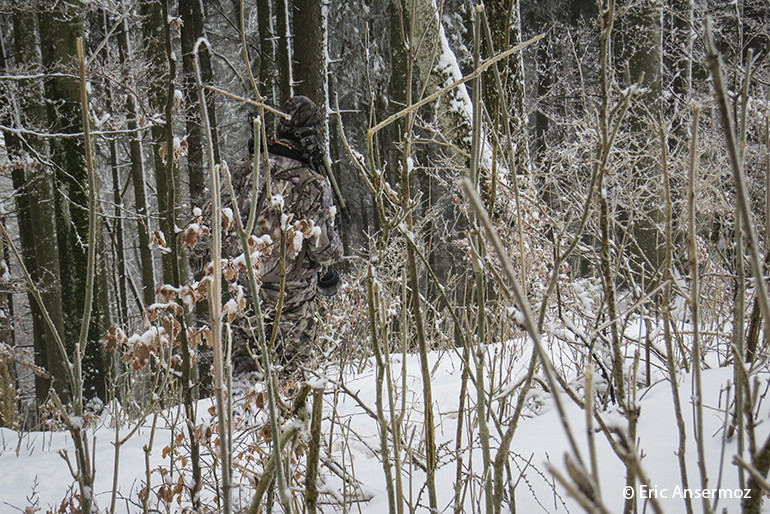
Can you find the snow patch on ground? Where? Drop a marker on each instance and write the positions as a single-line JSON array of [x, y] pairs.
[[33, 473]]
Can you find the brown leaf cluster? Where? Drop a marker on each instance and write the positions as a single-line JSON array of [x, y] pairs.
[[192, 294], [197, 336], [139, 350], [228, 221], [170, 491], [180, 149], [204, 433], [115, 338], [236, 304], [194, 231], [154, 312], [161, 330], [22, 164], [261, 245], [158, 239], [228, 270]]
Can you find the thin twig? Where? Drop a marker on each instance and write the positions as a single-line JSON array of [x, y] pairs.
[[215, 295], [528, 320], [249, 101], [457, 83]]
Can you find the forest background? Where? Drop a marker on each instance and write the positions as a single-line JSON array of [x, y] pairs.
[[558, 173]]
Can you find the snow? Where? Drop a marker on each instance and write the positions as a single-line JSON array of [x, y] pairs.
[[460, 99], [297, 241], [32, 472], [101, 118], [230, 307], [178, 97], [77, 422], [404, 228]]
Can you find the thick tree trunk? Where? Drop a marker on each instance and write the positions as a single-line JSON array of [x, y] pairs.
[[309, 59], [36, 216], [153, 29], [268, 85], [505, 27], [191, 30], [64, 24], [67, 154], [8, 399], [285, 41], [680, 56], [191, 12], [436, 66]]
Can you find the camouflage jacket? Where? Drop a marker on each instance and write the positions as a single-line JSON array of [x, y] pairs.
[[297, 210]]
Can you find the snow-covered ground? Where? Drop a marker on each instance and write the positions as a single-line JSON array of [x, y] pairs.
[[33, 473]]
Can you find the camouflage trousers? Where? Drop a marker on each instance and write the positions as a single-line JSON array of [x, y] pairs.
[[295, 338]]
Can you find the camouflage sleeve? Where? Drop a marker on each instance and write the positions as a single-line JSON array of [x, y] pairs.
[[327, 247]]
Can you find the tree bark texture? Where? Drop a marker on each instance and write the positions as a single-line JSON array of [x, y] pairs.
[[36, 214]]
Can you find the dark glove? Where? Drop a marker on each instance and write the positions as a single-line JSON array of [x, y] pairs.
[[329, 282]]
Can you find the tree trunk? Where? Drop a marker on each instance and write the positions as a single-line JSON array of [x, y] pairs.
[[680, 55], [268, 85], [191, 30], [8, 400], [36, 216], [136, 152], [505, 26], [309, 59], [64, 24], [639, 58], [191, 12], [153, 29], [283, 53]]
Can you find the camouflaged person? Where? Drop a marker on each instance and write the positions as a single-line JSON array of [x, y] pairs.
[[299, 211]]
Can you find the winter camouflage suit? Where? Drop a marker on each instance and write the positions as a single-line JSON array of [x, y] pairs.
[[299, 211]]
